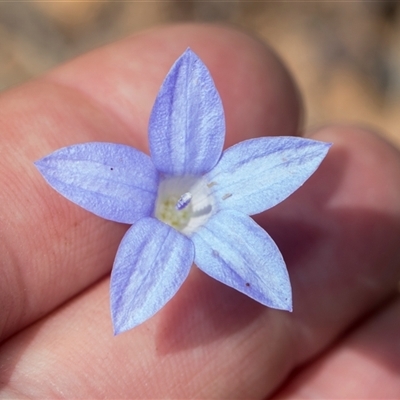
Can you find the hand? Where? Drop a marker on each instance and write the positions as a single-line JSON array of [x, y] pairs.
[[339, 235]]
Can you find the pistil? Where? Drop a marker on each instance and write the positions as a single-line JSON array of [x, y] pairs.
[[183, 201]]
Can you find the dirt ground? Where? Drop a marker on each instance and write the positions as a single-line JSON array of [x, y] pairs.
[[344, 55]]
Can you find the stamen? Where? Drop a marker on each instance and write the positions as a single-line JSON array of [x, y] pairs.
[[183, 201], [226, 196]]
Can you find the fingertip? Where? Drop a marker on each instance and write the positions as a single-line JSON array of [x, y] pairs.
[[259, 96], [372, 165]]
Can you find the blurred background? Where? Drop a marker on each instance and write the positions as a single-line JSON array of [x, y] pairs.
[[345, 55]]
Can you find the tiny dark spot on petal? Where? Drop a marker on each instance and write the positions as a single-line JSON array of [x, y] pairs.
[[247, 284], [112, 169]]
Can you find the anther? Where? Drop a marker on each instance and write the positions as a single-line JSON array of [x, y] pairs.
[[183, 201]]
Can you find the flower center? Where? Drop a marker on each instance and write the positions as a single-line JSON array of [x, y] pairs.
[[185, 203]]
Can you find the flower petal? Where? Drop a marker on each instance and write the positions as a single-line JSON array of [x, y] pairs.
[[233, 249], [152, 262], [187, 124], [113, 181], [257, 174]]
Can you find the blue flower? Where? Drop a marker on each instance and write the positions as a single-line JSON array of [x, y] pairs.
[[190, 202]]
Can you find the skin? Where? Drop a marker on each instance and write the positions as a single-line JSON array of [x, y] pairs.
[[339, 235]]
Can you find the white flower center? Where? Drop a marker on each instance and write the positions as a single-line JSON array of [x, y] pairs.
[[185, 203]]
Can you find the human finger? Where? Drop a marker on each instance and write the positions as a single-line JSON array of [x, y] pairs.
[[211, 341], [364, 365]]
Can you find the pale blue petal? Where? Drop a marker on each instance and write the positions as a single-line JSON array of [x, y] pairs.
[[152, 262], [113, 181], [257, 174], [187, 125], [233, 249]]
